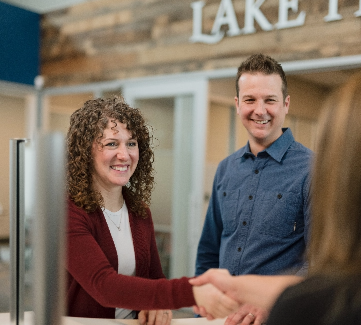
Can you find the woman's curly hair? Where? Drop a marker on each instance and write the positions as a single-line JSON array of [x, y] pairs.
[[87, 125]]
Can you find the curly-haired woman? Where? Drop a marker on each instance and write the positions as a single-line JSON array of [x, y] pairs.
[[113, 262]]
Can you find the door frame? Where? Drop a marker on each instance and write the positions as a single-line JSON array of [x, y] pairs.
[[185, 231]]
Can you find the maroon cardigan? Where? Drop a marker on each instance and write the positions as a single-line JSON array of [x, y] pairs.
[[95, 289]]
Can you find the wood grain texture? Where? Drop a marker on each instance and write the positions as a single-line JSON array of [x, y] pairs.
[[108, 39]]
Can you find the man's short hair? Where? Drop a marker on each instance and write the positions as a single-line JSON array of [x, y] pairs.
[[263, 64]]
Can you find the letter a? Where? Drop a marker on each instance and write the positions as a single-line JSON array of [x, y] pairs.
[[226, 16]]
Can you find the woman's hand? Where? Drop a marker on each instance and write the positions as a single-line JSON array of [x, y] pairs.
[[220, 278], [155, 317], [212, 302], [247, 314]]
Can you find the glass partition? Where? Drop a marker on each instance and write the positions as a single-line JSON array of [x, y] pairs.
[[37, 221]]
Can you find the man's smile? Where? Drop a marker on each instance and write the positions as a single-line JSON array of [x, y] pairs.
[[261, 121]]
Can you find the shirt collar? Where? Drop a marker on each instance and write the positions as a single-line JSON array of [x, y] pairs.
[[276, 150]]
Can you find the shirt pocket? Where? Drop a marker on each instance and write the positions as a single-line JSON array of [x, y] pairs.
[[281, 214], [230, 200]]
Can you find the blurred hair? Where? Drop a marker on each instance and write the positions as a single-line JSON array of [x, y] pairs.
[[335, 245], [260, 63], [87, 125]]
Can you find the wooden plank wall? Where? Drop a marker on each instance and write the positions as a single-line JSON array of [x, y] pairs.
[[103, 40]]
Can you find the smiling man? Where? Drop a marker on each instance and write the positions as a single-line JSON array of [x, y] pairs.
[[258, 216]]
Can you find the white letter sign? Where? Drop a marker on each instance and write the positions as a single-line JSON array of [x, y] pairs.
[[226, 15]]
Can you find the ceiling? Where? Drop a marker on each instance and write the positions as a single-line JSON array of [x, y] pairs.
[[43, 6]]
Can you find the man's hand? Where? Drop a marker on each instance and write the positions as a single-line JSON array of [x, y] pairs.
[[155, 317], [246, 315]]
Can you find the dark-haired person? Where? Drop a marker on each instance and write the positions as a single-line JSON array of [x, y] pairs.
[[331, 292], [258, 215], [113, 264]]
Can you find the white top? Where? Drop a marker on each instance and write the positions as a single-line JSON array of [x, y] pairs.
[[118, 223]]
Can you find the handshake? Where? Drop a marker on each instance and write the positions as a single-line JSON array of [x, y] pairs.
[[245, 299]]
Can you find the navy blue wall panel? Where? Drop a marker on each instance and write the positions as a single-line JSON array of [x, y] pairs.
[[19, 44]]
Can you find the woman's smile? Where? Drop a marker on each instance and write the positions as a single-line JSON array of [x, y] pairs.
[[119, 168]]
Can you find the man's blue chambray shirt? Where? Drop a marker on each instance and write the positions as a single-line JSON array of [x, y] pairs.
[[258, 215]]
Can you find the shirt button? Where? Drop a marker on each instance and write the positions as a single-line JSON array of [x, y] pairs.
[[256, 171], [250, 197], [239, 249], [279, 196], [244, 223]]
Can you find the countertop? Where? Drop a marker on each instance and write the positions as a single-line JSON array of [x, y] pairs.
[[5, 320]]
